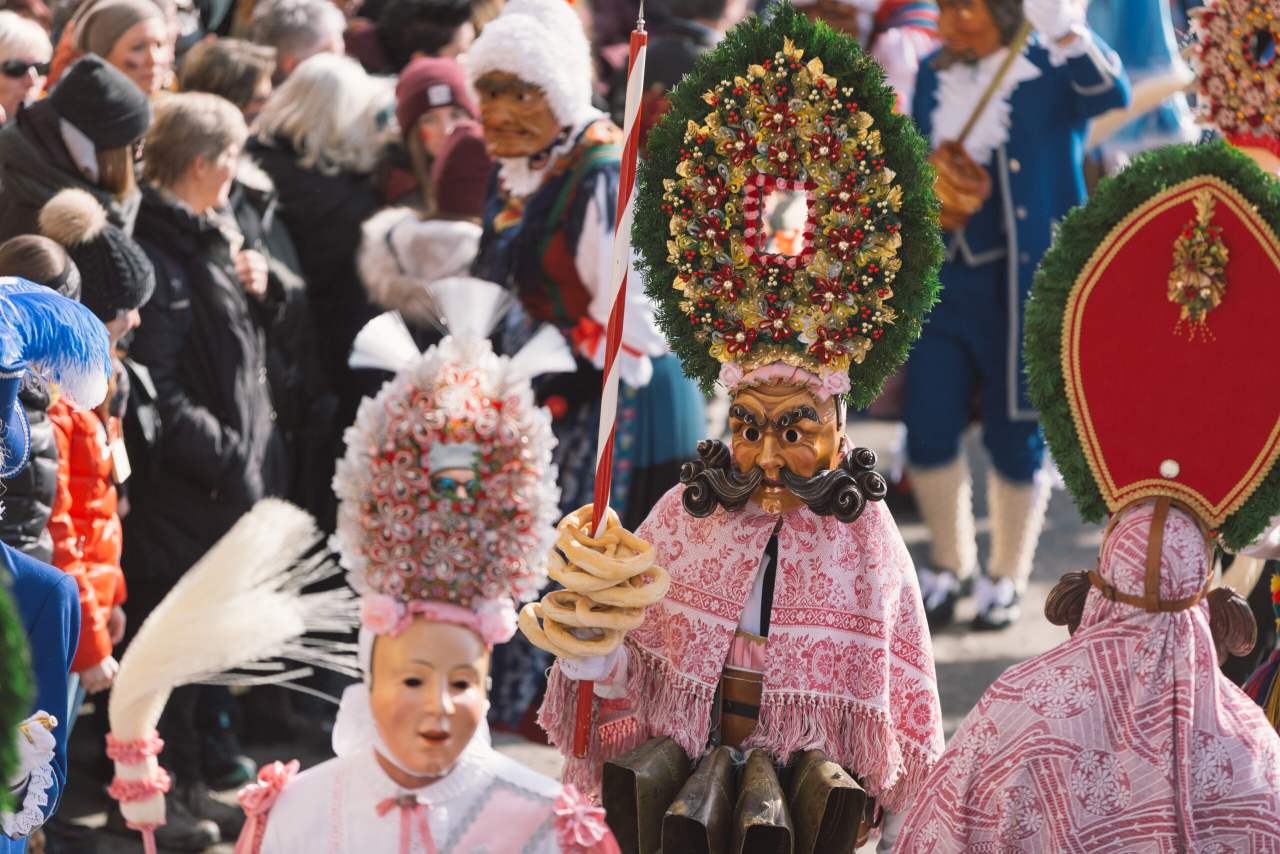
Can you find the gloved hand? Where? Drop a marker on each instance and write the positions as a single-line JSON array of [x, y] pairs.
[[1054, 19], [35, 746], [594, 668]]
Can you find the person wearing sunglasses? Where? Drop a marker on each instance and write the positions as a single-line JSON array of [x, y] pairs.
[[24, 62]]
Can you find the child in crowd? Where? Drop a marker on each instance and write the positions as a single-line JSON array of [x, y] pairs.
[[84, 523]]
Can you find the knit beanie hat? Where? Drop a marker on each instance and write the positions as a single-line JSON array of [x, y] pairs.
[[460, 175], [430, 82], [116, 275], [102, 103], [103, 23]]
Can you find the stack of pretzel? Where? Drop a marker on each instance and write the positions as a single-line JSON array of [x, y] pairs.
[[609, 580]]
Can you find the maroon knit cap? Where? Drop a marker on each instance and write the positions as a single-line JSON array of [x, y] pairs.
[[460, 175], [430, 82]]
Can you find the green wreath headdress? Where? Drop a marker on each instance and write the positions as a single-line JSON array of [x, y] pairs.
[[788, 105], [1147, 323]]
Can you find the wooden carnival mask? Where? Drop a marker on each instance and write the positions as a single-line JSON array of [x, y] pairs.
[[428, 695], [517, 117], [783, 428], [968, 29]]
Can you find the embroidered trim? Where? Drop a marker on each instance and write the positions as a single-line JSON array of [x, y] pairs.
[[25, 822]]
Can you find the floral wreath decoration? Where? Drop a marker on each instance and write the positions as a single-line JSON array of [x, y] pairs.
[[788, 105], [1238, 60], [411, 549]]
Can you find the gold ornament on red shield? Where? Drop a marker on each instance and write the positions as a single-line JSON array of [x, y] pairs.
[[1198, 281]]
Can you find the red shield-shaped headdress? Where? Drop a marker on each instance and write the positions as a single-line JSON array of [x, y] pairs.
[[1165, 291]]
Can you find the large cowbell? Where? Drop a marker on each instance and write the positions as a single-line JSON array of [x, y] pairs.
[[1142, 32]]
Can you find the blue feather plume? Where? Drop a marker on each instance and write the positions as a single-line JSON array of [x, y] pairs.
[[56, 337]]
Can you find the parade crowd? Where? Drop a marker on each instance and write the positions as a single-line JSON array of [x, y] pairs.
[[257, 200]]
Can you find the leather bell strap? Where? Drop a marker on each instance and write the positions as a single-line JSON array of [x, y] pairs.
[[1150, 601]]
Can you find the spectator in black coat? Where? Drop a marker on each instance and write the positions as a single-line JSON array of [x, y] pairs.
[[82, 135], [202, 339], [320, 138], [241, 72], [28, 495]]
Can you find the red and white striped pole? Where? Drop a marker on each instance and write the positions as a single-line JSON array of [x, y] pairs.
[[613, 332]]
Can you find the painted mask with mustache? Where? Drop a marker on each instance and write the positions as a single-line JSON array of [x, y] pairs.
[[786, 453]]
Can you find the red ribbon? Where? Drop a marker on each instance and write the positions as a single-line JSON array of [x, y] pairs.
[[411, 811]]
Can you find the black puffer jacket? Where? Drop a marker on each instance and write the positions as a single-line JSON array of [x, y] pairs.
[[217, 450], [28, 495]]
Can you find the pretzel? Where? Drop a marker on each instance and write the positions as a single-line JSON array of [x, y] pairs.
[[603, 642], [639, 591], [609, 580], [561, 606], [616, 555], [603, 616], [573, 578], [530, 628]]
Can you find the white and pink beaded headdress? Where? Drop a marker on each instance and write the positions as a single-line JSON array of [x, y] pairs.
[[447, 494]]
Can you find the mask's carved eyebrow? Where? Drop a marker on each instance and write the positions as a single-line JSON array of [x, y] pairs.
[[494, 88], [800, 413], [743, 414]]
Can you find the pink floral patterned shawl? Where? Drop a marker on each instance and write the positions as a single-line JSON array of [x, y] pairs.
[[850, 663], [1126, 738]]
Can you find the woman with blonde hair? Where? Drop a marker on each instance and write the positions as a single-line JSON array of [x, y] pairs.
[[24, 62], [321, 137]]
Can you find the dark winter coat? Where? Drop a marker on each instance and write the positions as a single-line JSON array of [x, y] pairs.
[[216, 450], [35, 166], [28, 495], [323, 214], [300, 392]]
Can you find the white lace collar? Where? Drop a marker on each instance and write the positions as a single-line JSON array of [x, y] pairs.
[[519, 179], [959, 88]]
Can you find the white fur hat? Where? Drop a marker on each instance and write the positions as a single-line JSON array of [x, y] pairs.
[[541, 42]]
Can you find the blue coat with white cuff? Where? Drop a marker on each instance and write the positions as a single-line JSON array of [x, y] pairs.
[[48, 602], [1037, 175]]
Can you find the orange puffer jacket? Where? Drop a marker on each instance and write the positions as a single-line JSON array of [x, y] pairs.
[[85, 526]]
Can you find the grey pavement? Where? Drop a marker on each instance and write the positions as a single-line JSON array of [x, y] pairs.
[[967, 662]]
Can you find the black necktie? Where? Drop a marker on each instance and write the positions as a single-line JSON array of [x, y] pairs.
[[770, 575]]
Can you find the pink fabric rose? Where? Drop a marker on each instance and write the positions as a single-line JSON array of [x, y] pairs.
[[257, 799], [833, 383], [381, 614], [580, 824], [497, 620], [730, 375]]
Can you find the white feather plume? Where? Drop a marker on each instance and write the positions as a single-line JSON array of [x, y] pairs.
[[240, 607], [545, 353], [468, 308], [384, 343]]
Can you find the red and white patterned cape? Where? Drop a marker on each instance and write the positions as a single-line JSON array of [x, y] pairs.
[[850, 664], [1126, 738]]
